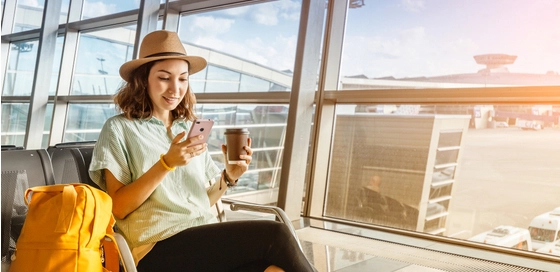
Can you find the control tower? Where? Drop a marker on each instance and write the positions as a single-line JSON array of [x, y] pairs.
[[495, 62]]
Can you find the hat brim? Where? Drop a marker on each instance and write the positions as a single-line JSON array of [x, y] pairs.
[[196, 64]]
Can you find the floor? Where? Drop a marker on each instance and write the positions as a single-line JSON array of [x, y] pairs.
[[344, 248]]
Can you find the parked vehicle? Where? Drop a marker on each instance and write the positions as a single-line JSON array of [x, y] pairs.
[[529, 124], [506, 236], [553, 249], [545, 229]]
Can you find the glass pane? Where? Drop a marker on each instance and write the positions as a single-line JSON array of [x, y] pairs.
[[254, 84], [14, 123], [449, 138], [21, 69], [98, 8], [64, 11], [445, 44], [264, 56], [86, 120], [451, 174], [219, 80], [29, 15], [100, 55], [47, 126], [267, 126]]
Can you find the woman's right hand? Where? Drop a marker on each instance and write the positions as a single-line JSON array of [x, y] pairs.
[[180, 153], [127, 198]]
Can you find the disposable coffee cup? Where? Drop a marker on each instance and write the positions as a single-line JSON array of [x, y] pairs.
[[236, 139]]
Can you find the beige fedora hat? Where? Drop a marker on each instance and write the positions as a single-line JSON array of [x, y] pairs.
[[158, 45]]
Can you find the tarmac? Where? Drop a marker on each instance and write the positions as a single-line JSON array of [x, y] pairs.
[[506, 176]]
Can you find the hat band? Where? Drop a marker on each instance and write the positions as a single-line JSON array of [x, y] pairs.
[[166, 54]]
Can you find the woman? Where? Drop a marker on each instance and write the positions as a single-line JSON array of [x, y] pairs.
[[158, 183]]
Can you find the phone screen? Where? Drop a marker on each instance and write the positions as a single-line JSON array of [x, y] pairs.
[[200, 126]]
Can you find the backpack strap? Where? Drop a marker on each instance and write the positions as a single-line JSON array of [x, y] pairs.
[[110, 248], [112, 253], [66, 213]]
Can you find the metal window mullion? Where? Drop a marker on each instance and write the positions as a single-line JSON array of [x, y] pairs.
[[335, 27], [172, 23], [201, 98], [8, 18], [69, 51], [43, 71], [75, 11], [495, 95], [4, 58], [300, 114], [148, 16]]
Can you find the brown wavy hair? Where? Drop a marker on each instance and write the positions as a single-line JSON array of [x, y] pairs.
[[133, 99]]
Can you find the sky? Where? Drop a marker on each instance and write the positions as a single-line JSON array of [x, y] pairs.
[[437, 37], [399, 38]]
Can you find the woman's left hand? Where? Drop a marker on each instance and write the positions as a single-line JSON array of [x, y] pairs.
[[234, 171]]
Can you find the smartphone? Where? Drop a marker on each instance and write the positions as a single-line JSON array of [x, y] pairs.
[[200, 126]]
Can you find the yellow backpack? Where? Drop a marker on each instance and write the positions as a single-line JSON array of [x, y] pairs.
[[65, 228]]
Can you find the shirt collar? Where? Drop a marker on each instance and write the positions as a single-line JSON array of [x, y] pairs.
[[155, 120]]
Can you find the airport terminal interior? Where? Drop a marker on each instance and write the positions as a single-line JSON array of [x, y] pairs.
[[396, 135]]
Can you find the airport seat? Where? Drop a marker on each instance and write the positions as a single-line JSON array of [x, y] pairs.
[[11, 147], [21, 169], [71, 162], [279, 214]]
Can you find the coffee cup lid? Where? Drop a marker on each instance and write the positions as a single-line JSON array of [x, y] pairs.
[[237, 131]]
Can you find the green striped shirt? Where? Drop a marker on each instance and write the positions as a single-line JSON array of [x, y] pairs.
[[129, 148]]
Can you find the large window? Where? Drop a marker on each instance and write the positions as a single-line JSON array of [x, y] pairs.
[[450, 170], [266, 124], [258, 60], [461, 170]]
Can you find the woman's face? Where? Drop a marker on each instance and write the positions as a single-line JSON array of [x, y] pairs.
[[168, 82]]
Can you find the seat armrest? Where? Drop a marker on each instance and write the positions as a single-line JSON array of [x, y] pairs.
[[126, 254], [281, 216]]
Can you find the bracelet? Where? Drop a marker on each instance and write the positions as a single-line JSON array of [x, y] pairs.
[[227, 181], [164, 164]]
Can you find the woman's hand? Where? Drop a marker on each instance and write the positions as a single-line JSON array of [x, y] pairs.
[[234, 171], [180, 153]]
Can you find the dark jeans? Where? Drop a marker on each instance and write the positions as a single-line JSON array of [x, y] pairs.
[[251, 245]]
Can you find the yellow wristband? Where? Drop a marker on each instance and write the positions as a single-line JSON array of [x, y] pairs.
[[164, 164]]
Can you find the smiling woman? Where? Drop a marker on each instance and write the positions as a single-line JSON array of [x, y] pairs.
[[163, 206]]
